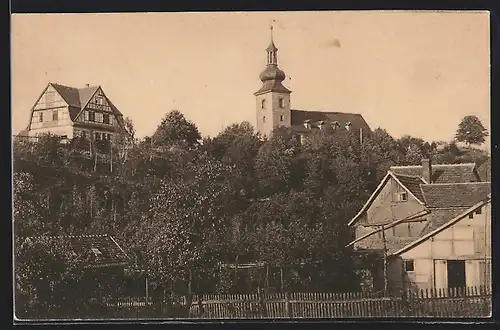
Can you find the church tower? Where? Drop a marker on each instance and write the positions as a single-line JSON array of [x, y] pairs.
[[273, 99]]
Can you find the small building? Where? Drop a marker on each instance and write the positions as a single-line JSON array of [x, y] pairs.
[[100, 258], [68, 112], [274, 109], [424, 217]]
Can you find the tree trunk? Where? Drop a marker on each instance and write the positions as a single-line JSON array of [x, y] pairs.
[[281, 280]]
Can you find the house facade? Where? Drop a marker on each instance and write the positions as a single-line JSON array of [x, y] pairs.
[[422, 219], [274, 107], [69, 112]]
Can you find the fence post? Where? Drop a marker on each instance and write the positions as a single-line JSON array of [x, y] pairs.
[[201, 312], [288, 305], [262, 303]]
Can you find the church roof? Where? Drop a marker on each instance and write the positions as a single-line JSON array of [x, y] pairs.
[[315, 117]]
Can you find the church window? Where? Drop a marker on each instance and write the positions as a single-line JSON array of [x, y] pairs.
[[263, 104], [282, 103], [281, 117]]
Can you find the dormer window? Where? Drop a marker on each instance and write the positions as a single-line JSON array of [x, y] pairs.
[[263, 104], [282, 103], [335, 125], [348, 125], [321, 123], [307, 123]]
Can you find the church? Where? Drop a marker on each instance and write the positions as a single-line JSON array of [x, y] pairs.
[[274, 107]]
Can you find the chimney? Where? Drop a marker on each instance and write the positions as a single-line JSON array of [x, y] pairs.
[[427, 170]]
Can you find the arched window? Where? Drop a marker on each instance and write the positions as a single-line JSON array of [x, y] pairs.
[[263, 104]]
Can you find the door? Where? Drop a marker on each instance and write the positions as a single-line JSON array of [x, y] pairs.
[[456, 273]]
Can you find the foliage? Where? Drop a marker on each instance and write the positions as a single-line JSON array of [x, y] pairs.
[[471, 131], [180, 208], [175, 130]]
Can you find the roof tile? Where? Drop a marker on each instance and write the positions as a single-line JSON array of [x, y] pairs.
[[299, 116], [441, 173], [452, 195], [412, 183]]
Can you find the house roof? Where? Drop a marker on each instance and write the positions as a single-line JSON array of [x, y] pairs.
[[484, 171], [453, 195], [411, 180], [77, 98], [438, 217], [298, 117], [441, 173], [445, 225], [413, 184], [444, 203], [111, 254]]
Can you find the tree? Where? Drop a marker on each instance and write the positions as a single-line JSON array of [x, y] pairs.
[[176, 131], [471, 131]]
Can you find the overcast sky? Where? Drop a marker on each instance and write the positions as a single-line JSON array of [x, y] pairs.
[[410, 73]]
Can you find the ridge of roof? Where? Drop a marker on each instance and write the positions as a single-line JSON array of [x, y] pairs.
[[71, 236], [456, 183], [450, 165], [330, 112]]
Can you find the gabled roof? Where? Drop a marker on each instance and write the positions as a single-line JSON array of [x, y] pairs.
[[447, 224], [441, 173], [379, 188], [453, 195], [413, 184], [77, 98], [298, 117], [484, 171], [107, 253]]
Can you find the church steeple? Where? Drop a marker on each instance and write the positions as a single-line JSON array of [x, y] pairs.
[[272, 77], [273, 99], [272, 51]]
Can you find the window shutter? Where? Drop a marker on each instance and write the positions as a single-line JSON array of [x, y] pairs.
[[472, 272], [440, 274]]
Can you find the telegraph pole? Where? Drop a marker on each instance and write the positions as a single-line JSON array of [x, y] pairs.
[[385, 259]]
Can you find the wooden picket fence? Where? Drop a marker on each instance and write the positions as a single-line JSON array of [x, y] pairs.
[[466, 302]]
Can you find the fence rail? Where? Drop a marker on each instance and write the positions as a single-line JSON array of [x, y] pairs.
[[459, 303], [453, 302]]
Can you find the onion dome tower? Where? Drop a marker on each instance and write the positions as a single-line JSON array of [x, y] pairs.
[[273, 99]]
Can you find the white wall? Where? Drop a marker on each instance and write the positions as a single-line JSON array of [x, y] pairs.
[[468, 239]]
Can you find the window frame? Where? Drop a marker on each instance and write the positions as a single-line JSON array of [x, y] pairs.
[[281, 102], [40, 117], [412, 263], [55, 115]]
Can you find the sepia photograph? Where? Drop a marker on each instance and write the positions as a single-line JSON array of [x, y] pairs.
[[251, 165]]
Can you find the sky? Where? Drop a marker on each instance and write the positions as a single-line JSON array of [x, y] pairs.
[[416, 73]]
